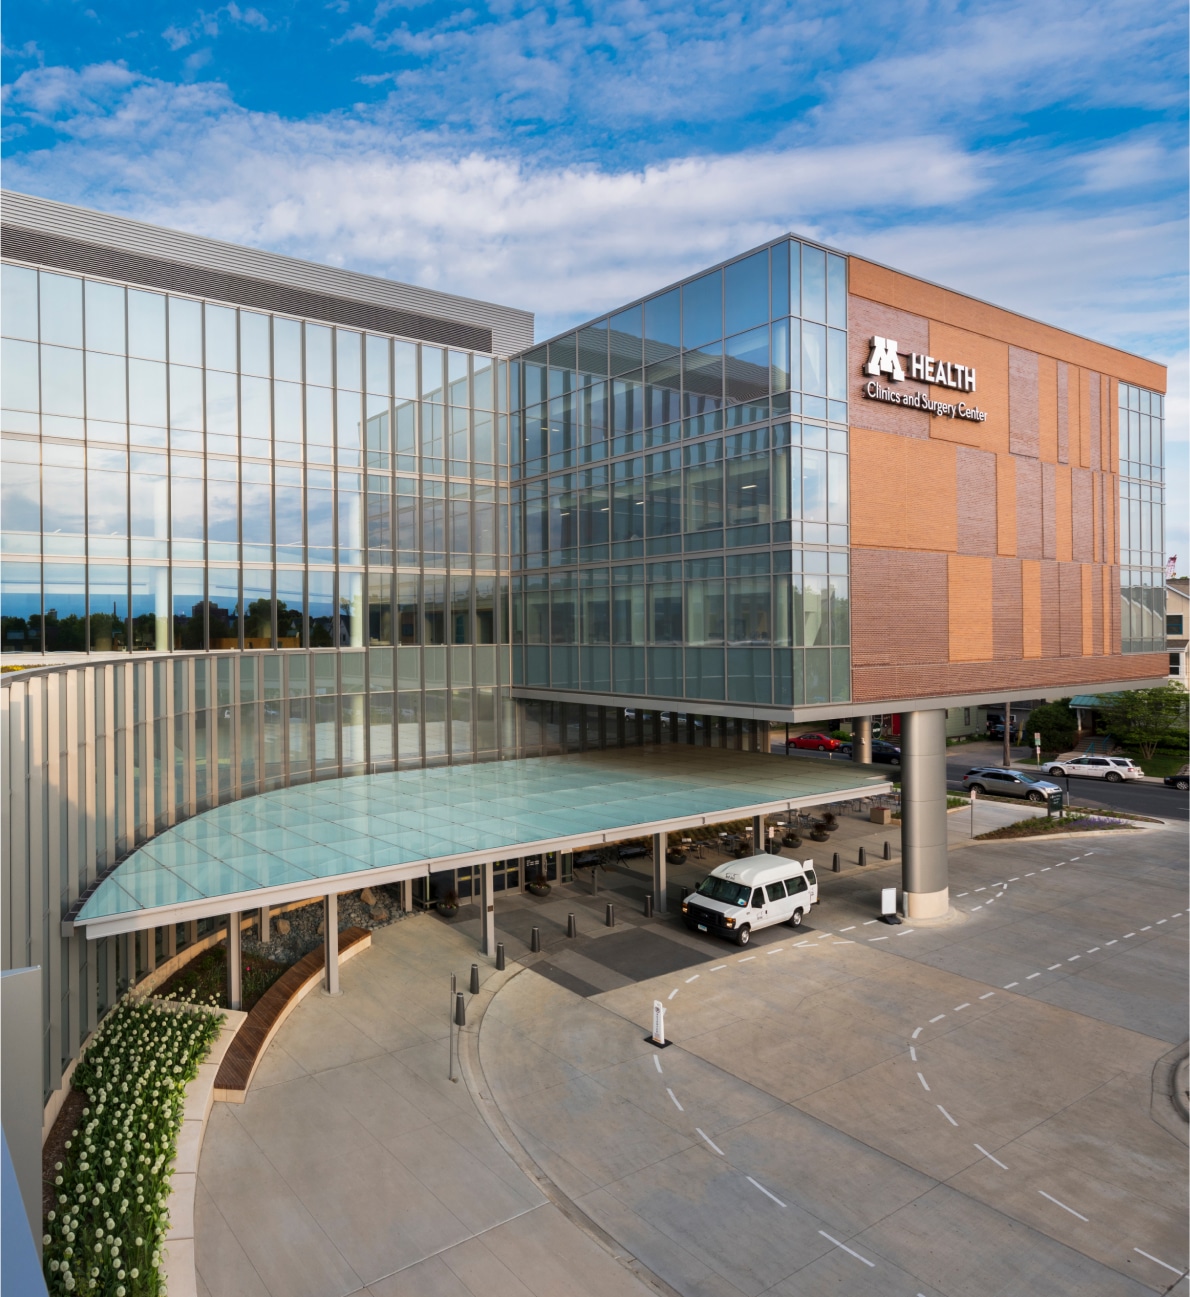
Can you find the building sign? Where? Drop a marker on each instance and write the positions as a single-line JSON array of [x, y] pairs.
[[884, 359]]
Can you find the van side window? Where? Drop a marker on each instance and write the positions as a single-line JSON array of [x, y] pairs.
[[758, 899], [795, 885], [776, 891]]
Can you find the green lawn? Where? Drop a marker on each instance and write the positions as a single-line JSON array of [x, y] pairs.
[[1161, 763]]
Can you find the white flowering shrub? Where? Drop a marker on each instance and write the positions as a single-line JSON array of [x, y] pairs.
[[106, 1233]]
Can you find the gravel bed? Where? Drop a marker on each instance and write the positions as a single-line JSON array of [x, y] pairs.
[[296, 932]]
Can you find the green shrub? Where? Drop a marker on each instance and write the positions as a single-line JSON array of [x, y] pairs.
[[1056, 724], [107, 1230]]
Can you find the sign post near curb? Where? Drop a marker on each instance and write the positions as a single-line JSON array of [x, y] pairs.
[[658, 1036]]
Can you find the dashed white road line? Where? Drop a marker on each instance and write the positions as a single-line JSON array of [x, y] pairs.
[[710, 1141], [938, 1018], [981, 889], [1149, 1257], [1010, 985], [925, 1085], [1161, 921], [1045, 868], [870, 1264], [868, 922], [1129, 934], [1112, 942], [657, 1060], [1051, 968], [916, 1032], [692, 979], [776, 950], [672, 993], [990, 1157], [674, 1097], [884, 938], [905, 933], [1032, 976], [946, 1114], [764, 1191], [1147, 927], [1031, 873], [988, 995], [1092, 950], [850, 929], [958, 1008], [1071, 958], [1064, 1207], [976, 907], [745, 959], [961, 895], [912, 1054], [1016, 879]]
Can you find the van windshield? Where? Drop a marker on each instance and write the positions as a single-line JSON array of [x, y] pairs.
[[721, 889]]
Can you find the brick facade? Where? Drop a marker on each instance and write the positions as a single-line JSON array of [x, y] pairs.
[[984, 554]]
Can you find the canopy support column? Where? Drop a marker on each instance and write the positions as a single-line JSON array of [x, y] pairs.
[[234, 980], [487, 944], [660, 845], [330, 943], [925, 861], [861, 739]]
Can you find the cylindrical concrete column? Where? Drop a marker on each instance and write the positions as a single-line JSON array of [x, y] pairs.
[[660, 846], [330, 943], [758, 842], [861, 739], [924, 865], [234, 993]]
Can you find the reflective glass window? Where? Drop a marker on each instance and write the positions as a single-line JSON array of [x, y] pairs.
[[348, 359], [65, 607], [61, 310], [813, 359], [836, 365], [107, 588], [18, 375], [146, 325], [18, 304], [147, 392], [185, 331], [702, 310], [318, 355], [746, 366], [814, 284], [625, 340], [746, 293], [836, 287], [663, 325], [189, 608], [221, 338], [431, 373], [150, 608], [62, 381], [104, 317], [254, 344]]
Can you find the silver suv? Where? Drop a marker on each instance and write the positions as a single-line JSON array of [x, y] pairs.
[[1113, 769], [997, 782]]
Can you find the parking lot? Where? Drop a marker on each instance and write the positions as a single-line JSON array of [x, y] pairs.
[[980, 1106]]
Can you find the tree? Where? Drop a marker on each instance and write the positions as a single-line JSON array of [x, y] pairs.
[[1055, 722], [1145, 716]]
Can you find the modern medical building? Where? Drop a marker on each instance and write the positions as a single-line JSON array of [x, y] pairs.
[[322, 578]]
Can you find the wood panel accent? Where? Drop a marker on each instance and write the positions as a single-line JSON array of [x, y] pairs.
[[270, 1011]]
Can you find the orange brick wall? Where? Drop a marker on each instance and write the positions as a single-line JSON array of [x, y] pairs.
[[984, 554]]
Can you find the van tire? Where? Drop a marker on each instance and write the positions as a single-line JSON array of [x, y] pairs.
[[795, 919], [742, 937], [1055, 770], [1114, 777]]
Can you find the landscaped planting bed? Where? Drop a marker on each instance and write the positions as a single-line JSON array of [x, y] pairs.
[[1042, 825], [106, 1231]]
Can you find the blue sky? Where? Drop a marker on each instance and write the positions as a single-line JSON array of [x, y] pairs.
[[567, 157]]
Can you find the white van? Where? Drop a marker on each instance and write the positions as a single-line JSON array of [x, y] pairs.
[[757, 892]]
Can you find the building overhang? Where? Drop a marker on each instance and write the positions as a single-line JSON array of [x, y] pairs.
[[302, 842], [809, 714]]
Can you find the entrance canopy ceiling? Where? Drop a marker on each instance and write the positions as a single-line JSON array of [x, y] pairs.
[[340, 835]]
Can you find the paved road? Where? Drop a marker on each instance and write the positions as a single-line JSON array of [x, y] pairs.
[[970, 1109]]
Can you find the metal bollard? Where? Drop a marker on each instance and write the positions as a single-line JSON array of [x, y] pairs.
[[836, 865], [887, 849], [499, 956], [610, 917], [535, 940], [863, 856], [460, 1011], [649, 906], [571, 926], [474, 979]]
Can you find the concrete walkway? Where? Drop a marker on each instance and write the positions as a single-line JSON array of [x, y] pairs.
[[356, 1166]]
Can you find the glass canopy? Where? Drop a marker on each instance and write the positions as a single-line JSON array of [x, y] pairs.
[[347, 833]]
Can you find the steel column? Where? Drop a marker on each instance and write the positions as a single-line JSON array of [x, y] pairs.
[[487, 903], [861, 739], [234, 981], [330, 943], [660, 845]]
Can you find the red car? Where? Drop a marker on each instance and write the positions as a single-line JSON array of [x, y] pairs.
[[818, 742]]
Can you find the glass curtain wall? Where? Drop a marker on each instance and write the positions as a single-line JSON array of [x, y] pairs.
[[1142, 520], [185, 475], [680, 499]]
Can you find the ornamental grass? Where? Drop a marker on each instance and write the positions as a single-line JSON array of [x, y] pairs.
[[106, 1232]]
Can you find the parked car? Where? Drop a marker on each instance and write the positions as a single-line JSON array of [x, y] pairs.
[[886, 753], [742, 896], [1113, 769], [816, 741], [1180, 781], [1008, 783]]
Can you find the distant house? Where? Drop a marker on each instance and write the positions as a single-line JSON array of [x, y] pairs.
[[1177, 618]]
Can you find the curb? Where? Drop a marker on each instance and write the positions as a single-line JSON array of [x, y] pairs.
[[477, 1085], [181, 1275], [1050, 837]]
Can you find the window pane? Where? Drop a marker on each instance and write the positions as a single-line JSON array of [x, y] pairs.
[[146, 325], [347, 359], [625, 340], [747, 366], [836, 364], [814, 284], [18, 374], [185, 331], [62, 381], [18, 309], [254, 343], [147, 392], [221, 338], [663, 325], [836, 272], [105, 388], [702, 310], [746, 293], [813, 359], [61, 310], [431, 373], [105, 317]]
